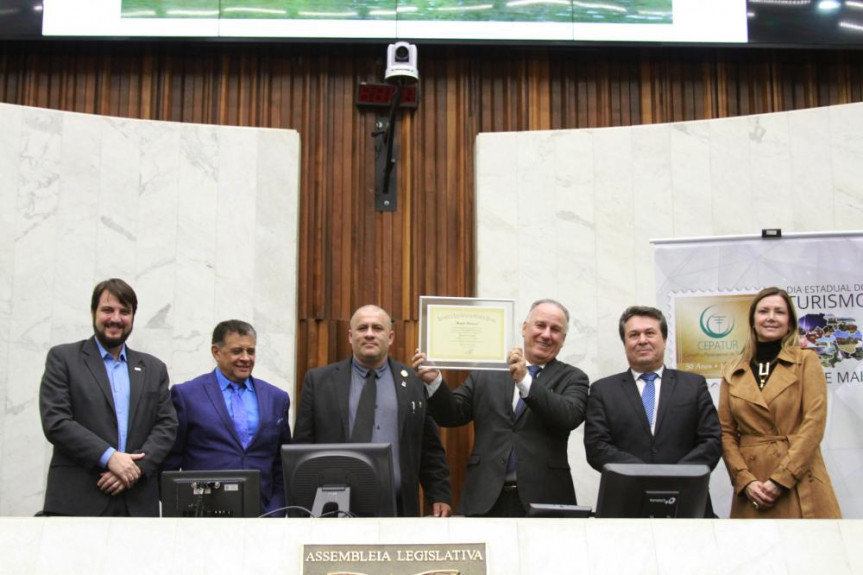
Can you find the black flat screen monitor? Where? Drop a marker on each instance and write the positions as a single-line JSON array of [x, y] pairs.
[[211, 493], [650, 490], [339, 480]]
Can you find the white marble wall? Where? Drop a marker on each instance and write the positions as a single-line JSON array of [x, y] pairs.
[[574, 211], [200, 220]]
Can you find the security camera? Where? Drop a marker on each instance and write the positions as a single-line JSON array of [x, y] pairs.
[[402, 64]]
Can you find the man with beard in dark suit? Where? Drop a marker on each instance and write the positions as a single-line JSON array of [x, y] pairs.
[[107, 411], [649, 413], [331, 412]]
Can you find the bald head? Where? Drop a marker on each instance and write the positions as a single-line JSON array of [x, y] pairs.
[[371, 309], [371, 336]]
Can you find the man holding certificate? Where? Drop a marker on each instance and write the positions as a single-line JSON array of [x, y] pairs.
[[522, 419]]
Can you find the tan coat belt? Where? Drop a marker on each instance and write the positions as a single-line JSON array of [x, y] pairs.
[[748, 440]]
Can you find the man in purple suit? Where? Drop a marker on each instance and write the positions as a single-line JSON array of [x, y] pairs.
[[229, 420]]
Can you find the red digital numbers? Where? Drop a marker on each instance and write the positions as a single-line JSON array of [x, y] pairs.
[[382, 95]]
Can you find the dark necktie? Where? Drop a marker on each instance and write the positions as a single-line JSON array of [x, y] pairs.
[[364, 420], [238, 413], [519, 407], [648, 396], [534, 371]]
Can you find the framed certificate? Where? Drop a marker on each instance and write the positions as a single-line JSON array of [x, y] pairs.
[[466, 333]]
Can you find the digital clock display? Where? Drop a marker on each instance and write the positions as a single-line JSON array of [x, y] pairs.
[[382, 95]]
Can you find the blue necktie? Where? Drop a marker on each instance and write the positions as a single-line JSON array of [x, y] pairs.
[[238, 413], [519, 407], [533, 370], [648, 396]]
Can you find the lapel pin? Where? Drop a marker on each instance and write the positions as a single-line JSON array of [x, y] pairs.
[[404, 384], [404, 373], [137, 368]]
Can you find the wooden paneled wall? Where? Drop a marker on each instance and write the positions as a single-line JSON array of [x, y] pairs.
[[350, 254]]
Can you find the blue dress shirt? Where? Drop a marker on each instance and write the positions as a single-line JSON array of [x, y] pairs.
[[118, 377]]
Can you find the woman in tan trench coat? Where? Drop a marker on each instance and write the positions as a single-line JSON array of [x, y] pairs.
[[773, 409]]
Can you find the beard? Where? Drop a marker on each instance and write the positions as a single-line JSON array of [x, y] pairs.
[[111, 342]]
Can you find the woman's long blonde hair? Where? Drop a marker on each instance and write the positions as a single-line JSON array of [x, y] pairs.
[[790, 340]]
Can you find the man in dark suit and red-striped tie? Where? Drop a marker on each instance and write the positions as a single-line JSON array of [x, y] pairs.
[[649, 413]]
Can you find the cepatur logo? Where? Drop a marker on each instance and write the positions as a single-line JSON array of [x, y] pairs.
[[716, 324], [709, 329]]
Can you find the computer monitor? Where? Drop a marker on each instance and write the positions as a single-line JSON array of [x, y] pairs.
[[234, 493], [339, 480], [653, 490]]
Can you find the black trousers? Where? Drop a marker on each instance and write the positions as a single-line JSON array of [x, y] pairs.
[[508, 503]]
